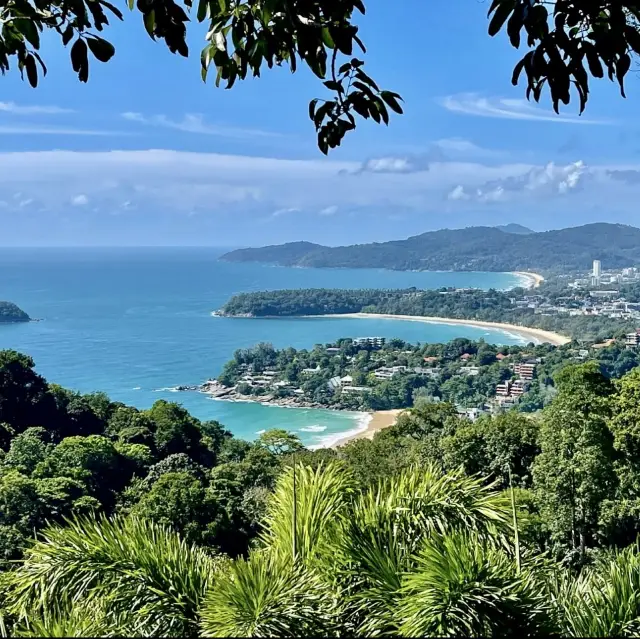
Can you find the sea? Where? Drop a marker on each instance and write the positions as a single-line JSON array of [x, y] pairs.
[[137, 322]]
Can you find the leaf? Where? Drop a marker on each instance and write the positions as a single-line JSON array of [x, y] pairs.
[[312, 108], [29, 30], [67, 35], [32, 71], [101, 49], [79, 59], [391, 100], [624, 63], [500, 16], [150, 23], [203, 8]]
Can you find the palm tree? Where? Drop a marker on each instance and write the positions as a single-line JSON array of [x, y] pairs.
[[142, 576], [423, 553]]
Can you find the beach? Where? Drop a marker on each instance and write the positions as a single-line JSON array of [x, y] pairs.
[[533, 279], [535, 335], [379, 420]]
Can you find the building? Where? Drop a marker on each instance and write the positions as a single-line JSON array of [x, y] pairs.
[[373, 342], [632, 339], [525, 371], [355, 390], [597, 269], [471, 371]]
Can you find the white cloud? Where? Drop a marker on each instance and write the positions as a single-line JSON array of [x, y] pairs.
[[31, 109], [508, 108], [243, 189], [285, 211], [52, 130], [80, 200], [195, 123], [458, 193], [549, 180]]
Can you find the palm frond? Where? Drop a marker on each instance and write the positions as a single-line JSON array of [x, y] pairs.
[[267, 596], [390, 523], [604, 601], [322, 502], [146, 571], [462, 586]]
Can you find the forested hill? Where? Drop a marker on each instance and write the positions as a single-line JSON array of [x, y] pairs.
[[9, 312], [476, 248]]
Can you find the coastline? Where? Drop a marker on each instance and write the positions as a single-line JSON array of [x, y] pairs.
[[380, 420], [368, 423], [533, 279], [536, 335]]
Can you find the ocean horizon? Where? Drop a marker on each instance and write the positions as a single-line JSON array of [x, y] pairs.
[[137, 322]]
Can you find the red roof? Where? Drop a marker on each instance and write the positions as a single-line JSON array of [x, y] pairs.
[[431, 359], [466, 356], [501, 356]]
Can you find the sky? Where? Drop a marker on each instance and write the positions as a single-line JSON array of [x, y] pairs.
[[146, 154]]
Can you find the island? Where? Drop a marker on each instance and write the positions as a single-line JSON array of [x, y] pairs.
[[11, 313], [551, 313], [480, 248], [377, 374]]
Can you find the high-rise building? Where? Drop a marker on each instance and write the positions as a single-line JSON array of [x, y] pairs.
[[597, 268]]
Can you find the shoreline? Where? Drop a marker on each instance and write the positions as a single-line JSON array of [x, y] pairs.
[[368, 423], [536, 335], [534, 279], [380, 420]]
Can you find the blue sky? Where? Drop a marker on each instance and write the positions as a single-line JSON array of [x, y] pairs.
[[146, 154]]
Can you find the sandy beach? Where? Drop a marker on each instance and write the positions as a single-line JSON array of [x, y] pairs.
[[534, 279], [535, 335], [379, 420]]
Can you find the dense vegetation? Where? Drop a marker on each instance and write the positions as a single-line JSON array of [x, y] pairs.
[[311, 371], [492, 306], [386, 536], [470, 249], [9, 312]]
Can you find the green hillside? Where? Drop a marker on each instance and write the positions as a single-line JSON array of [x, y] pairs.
[[471, 249]]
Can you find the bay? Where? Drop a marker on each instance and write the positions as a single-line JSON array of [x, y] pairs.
[[135, 323]]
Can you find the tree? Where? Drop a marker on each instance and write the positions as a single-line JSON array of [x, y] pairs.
[[569, 42], [501, 447], [279, 441], [178, 500], [24, 400], [574, 473], [567, 45], [175, 430]]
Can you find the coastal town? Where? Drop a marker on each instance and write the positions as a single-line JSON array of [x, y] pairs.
[[373, 373]]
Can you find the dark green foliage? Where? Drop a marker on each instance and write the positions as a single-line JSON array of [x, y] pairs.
[[569, 42], [470, 249], [242, 39], [491, 306], [9, 312]]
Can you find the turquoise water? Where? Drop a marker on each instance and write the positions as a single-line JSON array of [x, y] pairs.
[[135, 323]]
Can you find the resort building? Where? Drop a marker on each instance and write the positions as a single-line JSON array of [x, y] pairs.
[[373, 342], [632, 339], [355, 390], [525, 371], [470, 371]]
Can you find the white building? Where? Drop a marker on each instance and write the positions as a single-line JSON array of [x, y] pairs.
[[597, 268]]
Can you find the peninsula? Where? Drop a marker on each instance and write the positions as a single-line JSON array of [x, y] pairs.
[[552, 312], [478, 248], [10, 313], [375, 375]]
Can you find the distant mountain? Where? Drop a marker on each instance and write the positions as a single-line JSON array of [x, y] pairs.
[[516, 229], [478, 248], [285, 254]]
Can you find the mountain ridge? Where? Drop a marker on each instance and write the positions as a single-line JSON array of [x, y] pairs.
[[475, 248]]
